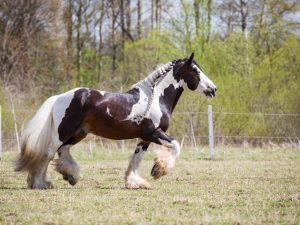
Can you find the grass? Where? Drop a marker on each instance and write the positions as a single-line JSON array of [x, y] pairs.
[[241, 186]]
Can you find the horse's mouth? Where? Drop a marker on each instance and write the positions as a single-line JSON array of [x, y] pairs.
[[209, 93]]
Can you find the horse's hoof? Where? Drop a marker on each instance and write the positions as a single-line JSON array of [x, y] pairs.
[[70, 179], [49, 185], [42, 186], [143, 185], [159, 169]]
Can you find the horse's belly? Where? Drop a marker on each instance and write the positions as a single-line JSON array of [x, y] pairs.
[[112, 128]]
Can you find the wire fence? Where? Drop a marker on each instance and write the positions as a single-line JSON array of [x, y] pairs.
[[189, 128]]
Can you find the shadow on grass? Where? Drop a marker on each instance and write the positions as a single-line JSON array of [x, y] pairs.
[[13, 188]]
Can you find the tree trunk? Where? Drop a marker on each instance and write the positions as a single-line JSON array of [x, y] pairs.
[[152, 14], [128, 16], [244, 14], [197, 16], [101, 18], [69, 42], [139, 18], [209, 9], [113, 35], [122, 14], [260, 28], [78, 41], [158, 10]]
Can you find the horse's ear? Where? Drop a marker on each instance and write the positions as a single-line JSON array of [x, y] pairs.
[[190, 60]]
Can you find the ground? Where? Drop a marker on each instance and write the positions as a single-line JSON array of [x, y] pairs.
[[241, 186]]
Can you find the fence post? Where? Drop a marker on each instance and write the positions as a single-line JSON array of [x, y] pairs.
[[210, 133], [0, 134], [16, 127]]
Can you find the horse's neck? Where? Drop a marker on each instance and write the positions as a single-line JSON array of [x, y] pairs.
[[168, 91], [150, 80]]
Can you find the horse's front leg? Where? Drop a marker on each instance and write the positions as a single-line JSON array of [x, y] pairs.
[[66, 165], [165, 157], [132, 178]]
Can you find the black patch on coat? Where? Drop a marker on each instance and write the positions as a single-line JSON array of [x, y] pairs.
[[73, 115], [185, 71]]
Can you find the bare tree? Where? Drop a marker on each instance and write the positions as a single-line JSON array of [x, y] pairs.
[[100, 33], [197, 16], [244, 11], [68, 21], [78, 12], [122, 22], [209, 11], [158, 11], [22, 25], [139, 18], [152, 14], [128, 16], [114, 8]]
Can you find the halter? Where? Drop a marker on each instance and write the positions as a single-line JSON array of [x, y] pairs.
[[139, 118]]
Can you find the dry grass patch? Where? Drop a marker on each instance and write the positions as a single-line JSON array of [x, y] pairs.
[[197, 191]]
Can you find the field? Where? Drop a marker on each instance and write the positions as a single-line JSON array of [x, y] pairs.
[[241, 186]]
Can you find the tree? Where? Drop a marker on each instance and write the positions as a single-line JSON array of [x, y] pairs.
[[128, 16], [197, 16], [236, 13], [23, 30], [139, 18], [68, 21]]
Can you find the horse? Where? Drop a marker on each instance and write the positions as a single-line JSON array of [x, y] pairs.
[[143, 112]]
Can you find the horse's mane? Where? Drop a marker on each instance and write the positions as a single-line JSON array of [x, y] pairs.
[[151, 79]]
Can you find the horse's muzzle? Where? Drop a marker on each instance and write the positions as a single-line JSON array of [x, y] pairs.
[[210, 92]]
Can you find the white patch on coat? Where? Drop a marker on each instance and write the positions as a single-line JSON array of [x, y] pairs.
[[108, 112], [138, 110], [170, 155], [173, 146], [40, 137], [133, 178], [205, 82], [59, 109], [155, 112], [102, 92], [37, 135]]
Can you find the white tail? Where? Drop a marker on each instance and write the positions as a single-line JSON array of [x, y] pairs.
[[36, 137]]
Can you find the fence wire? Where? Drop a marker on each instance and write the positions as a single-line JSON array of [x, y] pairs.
[[191, 129]]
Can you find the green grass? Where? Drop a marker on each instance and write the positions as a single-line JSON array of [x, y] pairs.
[[245, 186]]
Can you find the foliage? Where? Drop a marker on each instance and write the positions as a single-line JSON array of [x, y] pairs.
[[255, 64]]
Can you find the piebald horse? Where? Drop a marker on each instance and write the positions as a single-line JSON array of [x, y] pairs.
[[143, 112]]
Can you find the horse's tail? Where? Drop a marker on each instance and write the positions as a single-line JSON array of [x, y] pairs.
[[36, 137]]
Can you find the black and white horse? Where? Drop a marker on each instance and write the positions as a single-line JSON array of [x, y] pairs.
[[143, 112]]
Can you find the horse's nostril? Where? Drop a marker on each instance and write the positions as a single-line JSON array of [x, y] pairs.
[[215, 89]]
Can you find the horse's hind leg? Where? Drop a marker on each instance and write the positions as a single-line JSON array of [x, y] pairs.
[[67, 166], [132, 178], [37, 177]]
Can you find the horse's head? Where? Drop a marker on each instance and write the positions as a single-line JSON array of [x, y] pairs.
[[195, 79]]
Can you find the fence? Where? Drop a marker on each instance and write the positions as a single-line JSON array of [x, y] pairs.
[[190, 128]]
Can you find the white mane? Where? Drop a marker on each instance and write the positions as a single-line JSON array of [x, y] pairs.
[[148, 82]]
